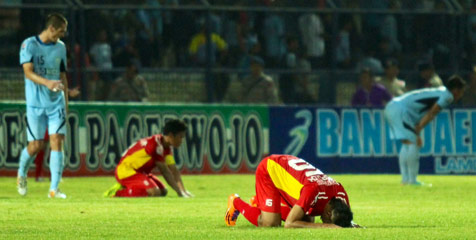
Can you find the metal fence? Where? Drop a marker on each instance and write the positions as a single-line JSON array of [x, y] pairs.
[[160, 37]]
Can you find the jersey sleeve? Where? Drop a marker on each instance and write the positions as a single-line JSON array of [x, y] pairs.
[[445, 100], [154, 149], [308, 198], [26, 52]]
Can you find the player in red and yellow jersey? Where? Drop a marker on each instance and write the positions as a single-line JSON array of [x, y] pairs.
[[290, 189], [133, 173]]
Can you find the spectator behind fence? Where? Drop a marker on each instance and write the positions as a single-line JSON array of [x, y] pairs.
[[469, 98], [198, 47], [395, 86], [258, 87], [369, 61], [294, 87], [343, 51], [312, 36], [101, 54], [275, 45], [427, 76], [370, 93], [131, 87]]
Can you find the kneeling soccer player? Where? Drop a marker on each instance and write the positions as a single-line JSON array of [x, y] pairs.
[[133, 173], [290, 189]]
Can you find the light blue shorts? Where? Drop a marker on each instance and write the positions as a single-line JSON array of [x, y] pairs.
[[400, 127], [38, 119]]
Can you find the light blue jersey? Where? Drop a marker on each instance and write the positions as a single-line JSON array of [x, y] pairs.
[[416, 103], [403, 113], [49, 61]]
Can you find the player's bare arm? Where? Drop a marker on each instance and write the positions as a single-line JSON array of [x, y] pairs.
[[164, 170], [178, 178], [28, 69], [430, 115], [295, 220]]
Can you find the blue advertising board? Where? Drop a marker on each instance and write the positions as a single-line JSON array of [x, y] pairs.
[[357, 140]]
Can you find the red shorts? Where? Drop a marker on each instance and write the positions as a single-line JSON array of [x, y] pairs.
[[140, 181], [267, 195]]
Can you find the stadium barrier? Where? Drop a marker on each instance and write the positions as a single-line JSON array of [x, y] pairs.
[[234, 138]]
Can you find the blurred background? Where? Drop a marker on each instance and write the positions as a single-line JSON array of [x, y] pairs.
[[216, 51]]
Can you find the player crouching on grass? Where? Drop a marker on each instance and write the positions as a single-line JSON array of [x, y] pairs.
[[292, 190], [133, 173]]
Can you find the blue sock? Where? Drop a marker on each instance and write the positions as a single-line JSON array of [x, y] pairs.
[[403, 163], [413, 162], [56, 168], [24, 163]]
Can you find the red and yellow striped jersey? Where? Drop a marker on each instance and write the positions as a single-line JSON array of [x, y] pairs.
[[141, 157], [301, 183]]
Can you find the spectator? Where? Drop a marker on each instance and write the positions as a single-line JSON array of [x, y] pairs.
[[258, 87], [198, 47], [131, 86], [469, 98], [312, 36], [395, 86], [389, 27], [101, 54], [275, 47], [428, 77], [370, 62], [343, 52], [294, 87], [370, 93]]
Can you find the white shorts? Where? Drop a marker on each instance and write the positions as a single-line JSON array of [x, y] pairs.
[[399, 128], [38, 119]]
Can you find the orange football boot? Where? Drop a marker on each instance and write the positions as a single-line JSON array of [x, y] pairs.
[[231, 213]]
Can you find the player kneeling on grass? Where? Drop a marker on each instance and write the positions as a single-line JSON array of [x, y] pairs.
[[292, 190], [133, 173]]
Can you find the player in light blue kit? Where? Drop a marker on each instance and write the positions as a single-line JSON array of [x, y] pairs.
[[43, 58], [408, 114]]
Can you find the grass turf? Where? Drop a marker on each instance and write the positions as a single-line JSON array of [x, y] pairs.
[[386, 209]]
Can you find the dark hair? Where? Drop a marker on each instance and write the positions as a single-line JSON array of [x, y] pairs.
[[455, 82], [174, 126], [341, 214], [56, 20]]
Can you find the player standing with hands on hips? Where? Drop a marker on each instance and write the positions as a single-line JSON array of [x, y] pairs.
[[43, 58]]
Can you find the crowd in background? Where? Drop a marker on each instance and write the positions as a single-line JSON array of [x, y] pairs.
[[374, 45]]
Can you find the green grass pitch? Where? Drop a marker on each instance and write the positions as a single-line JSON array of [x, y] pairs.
[[387, 210]]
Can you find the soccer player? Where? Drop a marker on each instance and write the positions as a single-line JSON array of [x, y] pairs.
[[43, 58], [408, 114], [290, 189], [133, 173]]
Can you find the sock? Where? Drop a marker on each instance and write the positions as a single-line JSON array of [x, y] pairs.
[[285, 212], [249, 212], [413, 162], [403, 163], [40, 157], [24, 164], [131, 192], [56, 168]]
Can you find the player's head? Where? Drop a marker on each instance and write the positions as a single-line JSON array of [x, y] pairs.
[[456, 85], [174, 131], [56, 26], [337, 212]]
